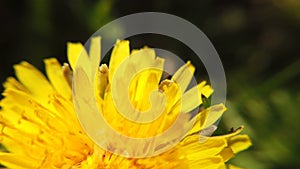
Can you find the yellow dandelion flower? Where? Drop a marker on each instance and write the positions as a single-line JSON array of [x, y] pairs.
[[40, 129]]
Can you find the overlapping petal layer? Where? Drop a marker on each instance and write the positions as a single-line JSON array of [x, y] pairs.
[[39, 127]]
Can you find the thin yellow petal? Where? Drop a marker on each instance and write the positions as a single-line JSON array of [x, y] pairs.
[[227, 154], [74, 50], [234, 133], [67, 73], [207, 163], [207, 117], [193, 97], [56, 76], [239, 143], [102, 80], [95, 52], [184, 75], [11, 82], [78, 55], [146, 81], [34, 81], [17, 161], [198, 150], [120, 52], [213, 114]]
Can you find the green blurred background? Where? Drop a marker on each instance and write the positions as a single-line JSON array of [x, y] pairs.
[[258, 42]]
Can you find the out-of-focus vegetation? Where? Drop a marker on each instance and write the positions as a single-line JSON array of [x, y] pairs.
[[270, 112], [258, 42]]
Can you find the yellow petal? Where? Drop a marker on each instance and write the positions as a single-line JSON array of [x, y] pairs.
[[207, 117], [120, 52], [11, 140], [234, 133], [227, 154], [196, 150], [55, 74], [95, 52], [102, 80], [193, 97], [207, 163], [206, 91], [18, 161], [239, 143], [213, 113], [13, 83], [144, 70], [173, 95], [74, 50], [29, 109], [184, 75], [34, 81]]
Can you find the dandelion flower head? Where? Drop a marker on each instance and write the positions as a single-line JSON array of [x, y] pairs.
[[40, 129]]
